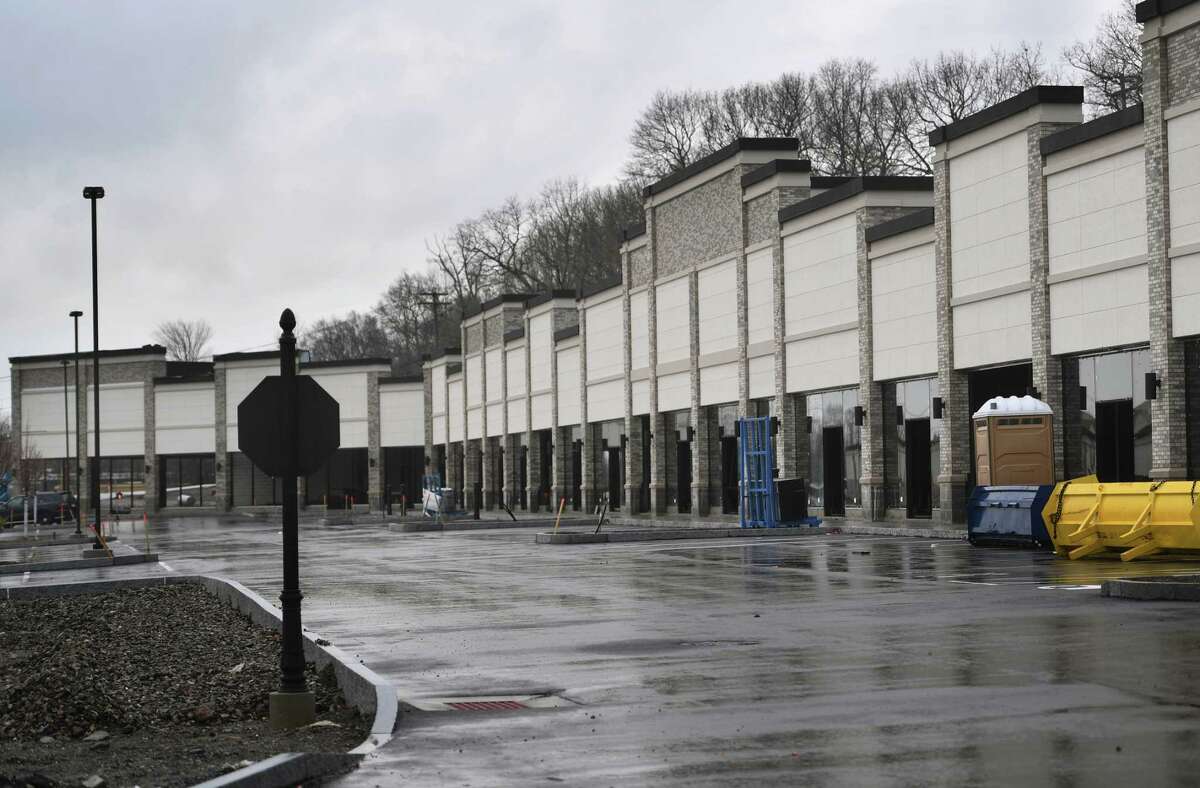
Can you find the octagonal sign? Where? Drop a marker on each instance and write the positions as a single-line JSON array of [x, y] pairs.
[[261, 427]]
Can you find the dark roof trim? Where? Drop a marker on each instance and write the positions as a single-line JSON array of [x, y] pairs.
[[1038, 94], [828, 181], [515, 334], [347, 362], [894, 183], [453, 368], [542, 298], [1149, 9], [1093, 129], [566, 333], [446, 351], [503, 298], [600, 287], [257, 354], [922, 217], [773, 168], [631, 231], [144, 350], [712, 159], [167, 381], [403, 379]]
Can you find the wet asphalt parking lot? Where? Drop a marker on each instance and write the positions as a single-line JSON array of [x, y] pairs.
[[819, 660]]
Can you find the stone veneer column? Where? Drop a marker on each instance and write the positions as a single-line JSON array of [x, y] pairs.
[[743, 320], [591, 440], [149, 439], [1168, 412], [952, 384], [791, 444], [533, 458], [222, 464], [658, 443], [633, 426], [453, 452], [873, 477], [1047, 370], [701, 439], [375, 492], [18, 439], [427, 400]]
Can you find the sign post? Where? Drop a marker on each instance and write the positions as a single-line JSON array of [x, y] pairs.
[[270, 433]]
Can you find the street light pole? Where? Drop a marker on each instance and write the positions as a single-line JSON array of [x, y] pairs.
[[93, 193], [76, 314], [66, 466]]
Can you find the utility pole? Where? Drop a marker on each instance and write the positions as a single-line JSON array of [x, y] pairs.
[[435, 305], [93, 193]]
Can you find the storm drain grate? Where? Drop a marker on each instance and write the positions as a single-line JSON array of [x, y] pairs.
[[487, 705]]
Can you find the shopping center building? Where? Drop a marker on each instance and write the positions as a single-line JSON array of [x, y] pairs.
[[870, 316]]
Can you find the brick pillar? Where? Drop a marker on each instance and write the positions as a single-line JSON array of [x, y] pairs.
[[471, 467], [427, 399], [704, 436], [149, 440], [533, 473], [870, 395], [743, 324], [633, 464], [1168, 412], [561, 482], [453, 452], [700, 443], [889, 445], [956, 421], [15, 389], [375, 491], [222, 465], [1071, 418], [791, 418]]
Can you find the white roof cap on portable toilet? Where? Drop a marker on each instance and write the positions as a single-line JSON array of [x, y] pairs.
[[1013, 406]]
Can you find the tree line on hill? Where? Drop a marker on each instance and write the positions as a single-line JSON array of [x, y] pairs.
[[848, 117]]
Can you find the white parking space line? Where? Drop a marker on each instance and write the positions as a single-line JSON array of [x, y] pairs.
[[25, 577], [164, 566]]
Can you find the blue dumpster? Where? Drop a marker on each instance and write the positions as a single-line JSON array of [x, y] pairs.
[[1009, 515]]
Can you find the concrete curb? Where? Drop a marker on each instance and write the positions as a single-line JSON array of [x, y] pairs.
[[663, 534], [79, 563], [429, 526], [887, 530], [15, 544], [362, 687], [1169, 588]]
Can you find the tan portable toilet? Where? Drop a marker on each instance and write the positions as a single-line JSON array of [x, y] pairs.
[[1014, 442]]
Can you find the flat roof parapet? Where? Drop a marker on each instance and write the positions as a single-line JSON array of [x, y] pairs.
[[732, 149], [1149, 9], [144, 350], [541, 298], [347, 362], [631, 231], [599, 287], [922, 217], [403, 379], [566, 333], [1026, 99], [774, 168], [900, 183], [1093, 129]]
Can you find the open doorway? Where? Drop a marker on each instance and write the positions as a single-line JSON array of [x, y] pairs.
[[1114, 441], [729, 474], [614, 462], [683, 476], [835, 472], [918, 467]]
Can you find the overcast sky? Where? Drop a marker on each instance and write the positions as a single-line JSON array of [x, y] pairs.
[[263, 154]]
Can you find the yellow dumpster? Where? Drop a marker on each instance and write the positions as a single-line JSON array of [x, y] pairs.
[[1085, 517]]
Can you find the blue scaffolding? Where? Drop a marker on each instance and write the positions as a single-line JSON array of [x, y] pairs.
[[756, 480]]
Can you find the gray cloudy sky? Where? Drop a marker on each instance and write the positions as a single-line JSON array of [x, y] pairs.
[[267, 154]]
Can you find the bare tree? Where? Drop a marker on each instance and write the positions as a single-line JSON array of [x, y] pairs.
[[1111, 61], [10, 455], [669, 135], [356, 335], [185, 340], [406, 316]]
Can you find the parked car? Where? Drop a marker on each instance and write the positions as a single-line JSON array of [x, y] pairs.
[[50, 508]]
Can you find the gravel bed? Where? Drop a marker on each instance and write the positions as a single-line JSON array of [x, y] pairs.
[[154, 686]]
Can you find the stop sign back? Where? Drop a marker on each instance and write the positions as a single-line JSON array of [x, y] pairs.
[[261, 426]]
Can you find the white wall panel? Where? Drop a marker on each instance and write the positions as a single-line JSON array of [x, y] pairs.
[[439, 429], [1185, 295], [184, 419], [904, 312], [823, 362], [606, 401], [515, 372], [474, 423], [762, 377], [438, 381], [716, 307], [674, 392], [989, 210], [1097, 212], [122, 416], [992, 331], [1100, 311], [540, 347], [760, 297], [820, 276], [454, 409], [494, 371], [568, 386], [43, 422], [240, 381], [718, 384], [516, 417], [639, 329], [641, 397], [473, 379], [1183, 140], [495, 419], [605, 336], [542, 408], [673, 327], [401, 416], [350, 391]]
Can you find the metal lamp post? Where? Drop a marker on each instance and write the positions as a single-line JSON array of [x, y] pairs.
[[75, 315], [66, 466], [93, 193]]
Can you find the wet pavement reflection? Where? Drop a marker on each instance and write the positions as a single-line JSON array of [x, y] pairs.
[[826, 660]]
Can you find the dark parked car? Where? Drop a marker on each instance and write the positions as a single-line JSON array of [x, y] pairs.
[[51, 507]]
